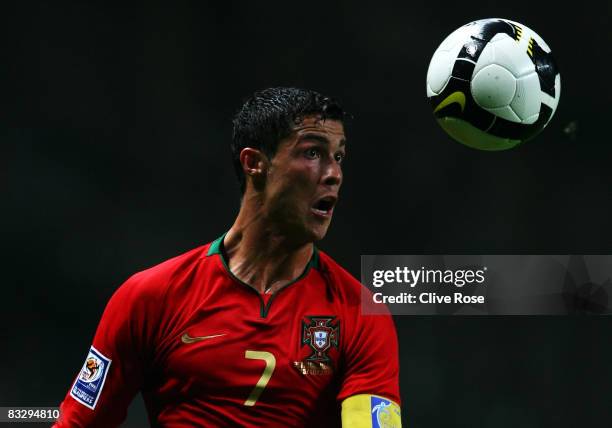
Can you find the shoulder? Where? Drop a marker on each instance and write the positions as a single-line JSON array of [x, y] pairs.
[[369, 348], [352, 294], [154, 282], [342, 283]]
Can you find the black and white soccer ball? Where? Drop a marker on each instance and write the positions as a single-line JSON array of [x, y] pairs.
[[493, 84]]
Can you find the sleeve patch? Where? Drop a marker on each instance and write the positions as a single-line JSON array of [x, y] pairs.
[[90, 381], [370, 411], [385, 413]]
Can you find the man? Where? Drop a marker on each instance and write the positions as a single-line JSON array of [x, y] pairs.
[[258, 328]]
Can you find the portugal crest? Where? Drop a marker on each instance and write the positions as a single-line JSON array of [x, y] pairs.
[[321, 333]]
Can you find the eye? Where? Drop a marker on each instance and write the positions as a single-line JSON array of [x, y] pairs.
[[312, 153], [339, 157]]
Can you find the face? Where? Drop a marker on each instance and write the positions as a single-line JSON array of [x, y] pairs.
[[304, 177]]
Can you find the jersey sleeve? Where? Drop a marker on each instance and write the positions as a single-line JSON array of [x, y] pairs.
[[371, 359], [114, 368]]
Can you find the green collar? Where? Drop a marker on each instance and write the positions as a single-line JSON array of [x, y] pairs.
[[217, 248]]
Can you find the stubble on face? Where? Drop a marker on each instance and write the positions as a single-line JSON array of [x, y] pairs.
[[301, 172]]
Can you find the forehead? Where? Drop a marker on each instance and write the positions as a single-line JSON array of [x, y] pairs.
[[334, 129]]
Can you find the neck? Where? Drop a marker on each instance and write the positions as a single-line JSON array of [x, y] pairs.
[[260, 255]]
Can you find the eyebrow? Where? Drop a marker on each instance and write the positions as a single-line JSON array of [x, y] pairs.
[[319, 138]]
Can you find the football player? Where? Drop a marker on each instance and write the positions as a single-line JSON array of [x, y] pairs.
[[258, 328]]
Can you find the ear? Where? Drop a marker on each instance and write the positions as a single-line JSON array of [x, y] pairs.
[[255, 167], [254, 162]]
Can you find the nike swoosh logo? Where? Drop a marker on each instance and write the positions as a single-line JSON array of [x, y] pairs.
[[185, 338], [456, 97]]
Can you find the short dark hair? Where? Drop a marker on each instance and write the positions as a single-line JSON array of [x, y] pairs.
[[271, 115]]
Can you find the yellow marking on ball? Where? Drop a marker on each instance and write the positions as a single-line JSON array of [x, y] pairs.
[[456, 97]]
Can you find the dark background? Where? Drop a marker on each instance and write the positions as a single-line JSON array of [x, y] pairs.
[[115, 156]]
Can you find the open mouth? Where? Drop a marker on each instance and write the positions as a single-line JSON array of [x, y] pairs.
[[324, 206]]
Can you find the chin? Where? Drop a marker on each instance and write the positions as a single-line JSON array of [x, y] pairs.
[[318, 233], [309, 231]]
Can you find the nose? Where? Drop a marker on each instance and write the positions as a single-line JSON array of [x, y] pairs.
[[332, 174]]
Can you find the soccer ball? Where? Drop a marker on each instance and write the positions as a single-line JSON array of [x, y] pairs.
[[493, 84]]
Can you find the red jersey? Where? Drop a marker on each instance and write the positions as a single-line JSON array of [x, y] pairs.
[[206, 349]]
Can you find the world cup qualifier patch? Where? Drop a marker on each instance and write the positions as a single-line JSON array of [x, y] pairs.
[[90, 381]]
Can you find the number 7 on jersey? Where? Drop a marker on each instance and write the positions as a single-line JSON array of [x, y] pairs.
[[265, 376]]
